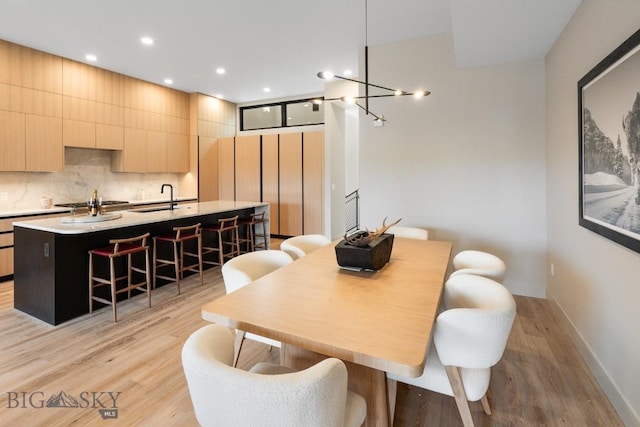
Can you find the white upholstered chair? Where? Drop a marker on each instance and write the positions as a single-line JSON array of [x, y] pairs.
[[244, 269], [409, 232], [479, 263], [468, 339], [299, 246], [267, 395]]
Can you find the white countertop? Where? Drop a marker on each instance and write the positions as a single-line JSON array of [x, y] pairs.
[[129, 218], [31, 212], [57, 209]]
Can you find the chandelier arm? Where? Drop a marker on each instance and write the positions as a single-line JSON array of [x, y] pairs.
[[364, 83], [376, 96], [368, 112]]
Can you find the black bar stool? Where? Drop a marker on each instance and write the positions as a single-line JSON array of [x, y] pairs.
[[180, 236], [226, 232], [120, 248]]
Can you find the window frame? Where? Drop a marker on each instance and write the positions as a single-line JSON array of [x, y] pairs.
[[283, 111]]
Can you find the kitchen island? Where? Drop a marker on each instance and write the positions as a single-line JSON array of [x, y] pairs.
[[51, 276]]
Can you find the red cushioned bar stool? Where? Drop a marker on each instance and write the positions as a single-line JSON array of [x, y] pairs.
[[179, 239], [255, 233], [116, 249], [226, 236]]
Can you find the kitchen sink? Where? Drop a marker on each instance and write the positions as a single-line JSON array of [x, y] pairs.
[[154, 209]]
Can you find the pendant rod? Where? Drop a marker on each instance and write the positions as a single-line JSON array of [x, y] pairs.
[[366, 78]]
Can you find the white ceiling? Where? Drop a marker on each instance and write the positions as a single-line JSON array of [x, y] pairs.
[[280, 44]]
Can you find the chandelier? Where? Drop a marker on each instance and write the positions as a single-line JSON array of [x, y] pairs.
[[387, 91]]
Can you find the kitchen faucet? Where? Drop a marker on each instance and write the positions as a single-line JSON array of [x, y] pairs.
[[171, 202]]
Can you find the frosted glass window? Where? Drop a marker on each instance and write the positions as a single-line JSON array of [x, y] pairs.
[[262, 117], [305, 113]]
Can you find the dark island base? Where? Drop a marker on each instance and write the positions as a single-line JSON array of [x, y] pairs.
[[51, 278]]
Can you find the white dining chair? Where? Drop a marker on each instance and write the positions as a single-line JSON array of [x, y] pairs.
[[244, 269], [267, 395], [409, 232], [299, 246], [468, 339], [479, 263]]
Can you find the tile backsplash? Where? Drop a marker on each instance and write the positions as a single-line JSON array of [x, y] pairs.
[[84, 170]]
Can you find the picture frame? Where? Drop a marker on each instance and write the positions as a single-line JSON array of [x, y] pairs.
[[609, 152]]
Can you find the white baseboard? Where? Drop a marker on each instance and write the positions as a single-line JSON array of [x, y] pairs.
[[626, 412]]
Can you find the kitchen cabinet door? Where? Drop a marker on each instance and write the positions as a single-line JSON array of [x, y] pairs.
[[156, 151], [12, 141], [270, 180], [78, 134], [109, 137], [291, 184], [313, 180], [226, 169], [247, 168], [133, 157], [6, 247], [207, 169], [177, 153], [44, 151]]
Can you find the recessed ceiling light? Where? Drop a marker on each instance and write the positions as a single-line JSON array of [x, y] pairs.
[[147, 40], [266, 89], [219, 96], [168, 81], [220, 70], [347, 72], [91, 57]]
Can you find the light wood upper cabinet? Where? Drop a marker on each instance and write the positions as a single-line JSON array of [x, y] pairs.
[[313, 181], [291, 184], [156, 151], [29, 68], [31, 109], [133, 157], [270, 180], [247, 168], [44, 150], [11, 98], [91, 83], [109, 137], [41, 103], [78, 134], [226, 169], [12, 141], [177, 153]]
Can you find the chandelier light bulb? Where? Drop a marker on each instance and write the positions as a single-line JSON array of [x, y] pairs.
[[326, 75]]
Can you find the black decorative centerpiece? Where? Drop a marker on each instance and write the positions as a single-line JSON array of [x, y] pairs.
[[369, 250]]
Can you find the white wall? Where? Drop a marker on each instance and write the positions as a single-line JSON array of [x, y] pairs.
[[596, 281], [466, 162]]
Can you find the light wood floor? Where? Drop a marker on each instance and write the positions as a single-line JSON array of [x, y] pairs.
[[540, 381]]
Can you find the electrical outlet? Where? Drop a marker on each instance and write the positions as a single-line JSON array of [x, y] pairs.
[[552, 269]]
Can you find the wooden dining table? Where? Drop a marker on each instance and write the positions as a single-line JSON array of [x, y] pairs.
[[375, 321]]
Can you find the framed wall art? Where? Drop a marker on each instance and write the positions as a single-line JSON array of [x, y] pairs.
[[609, 157]]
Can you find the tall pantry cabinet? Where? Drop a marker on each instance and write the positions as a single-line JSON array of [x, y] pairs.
[[285, 170], [213, 124]]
